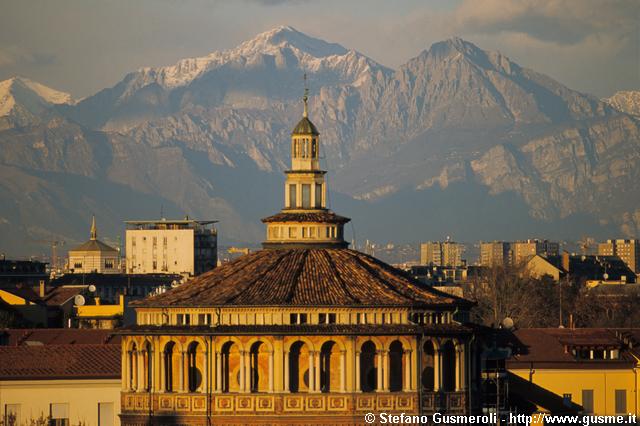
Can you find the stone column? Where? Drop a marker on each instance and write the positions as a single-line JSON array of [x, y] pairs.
[[386, 374], [183, 379], [162, 368], [378, 364], [242, 372], [140, 363], [460, 364], [437, 370], [358, 387], [205, 372], [406, 384], [286, 371], [248, 372], [126, 372], [218, 371], [311, 374], [271, 372], [317, 370], [343, 370]]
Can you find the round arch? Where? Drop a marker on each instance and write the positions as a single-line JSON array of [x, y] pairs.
[[295, 339]]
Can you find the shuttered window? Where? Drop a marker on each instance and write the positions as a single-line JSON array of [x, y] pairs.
[[621, 401], [587, 401], [306, 196]]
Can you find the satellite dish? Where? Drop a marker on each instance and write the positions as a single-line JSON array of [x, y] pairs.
[[507, 323], [79, 300], [92, 288]]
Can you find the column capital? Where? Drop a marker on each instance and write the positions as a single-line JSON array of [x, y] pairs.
[[408, 351]]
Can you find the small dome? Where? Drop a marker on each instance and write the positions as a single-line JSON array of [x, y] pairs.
[[305, 127]]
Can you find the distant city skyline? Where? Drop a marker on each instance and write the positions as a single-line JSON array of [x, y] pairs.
[[594, 45]]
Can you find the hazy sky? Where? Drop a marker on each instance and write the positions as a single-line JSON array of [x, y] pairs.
[[82, 46]]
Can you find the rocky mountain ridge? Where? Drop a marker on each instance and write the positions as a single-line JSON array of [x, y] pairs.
[[209, 137]]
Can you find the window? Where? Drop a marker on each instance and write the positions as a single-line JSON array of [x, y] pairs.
[[59, 414], [322, 318], [77, 264], [358, 318], [108, 263], [621, 401], [297, 318], [292, 196], [105, 413], [204, 319], [12, 414], [318, 195], [587, 401], [314, 148], [306, 196], [312, 232], [305, 234], [183, 319], [327, 231], [332, 318]]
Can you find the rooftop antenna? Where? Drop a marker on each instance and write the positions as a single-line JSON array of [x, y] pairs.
[[161, 211]]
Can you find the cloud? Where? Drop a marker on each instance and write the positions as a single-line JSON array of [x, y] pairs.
[[277, 2], [14, 56], [555, 21]]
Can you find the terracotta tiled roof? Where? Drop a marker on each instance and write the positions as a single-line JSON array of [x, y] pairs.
[[303, 277], [326, 216], [58, 336], [551, 348], [60, 362], [59, 295]]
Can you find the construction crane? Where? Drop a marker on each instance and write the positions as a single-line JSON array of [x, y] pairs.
[[54, 251]]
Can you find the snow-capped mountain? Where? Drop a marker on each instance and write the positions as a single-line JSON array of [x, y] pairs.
[[253, 74], [458, 139], [23, 100], [626, 101]]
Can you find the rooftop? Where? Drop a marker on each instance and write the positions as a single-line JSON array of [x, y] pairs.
[[303, 277], [48, 362]]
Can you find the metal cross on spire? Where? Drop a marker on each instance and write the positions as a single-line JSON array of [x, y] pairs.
[[306, 96]]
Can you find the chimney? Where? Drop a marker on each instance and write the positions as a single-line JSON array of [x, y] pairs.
[[565, 261], [43, 290]]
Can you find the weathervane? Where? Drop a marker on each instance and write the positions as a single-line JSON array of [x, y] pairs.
[[306, 96]]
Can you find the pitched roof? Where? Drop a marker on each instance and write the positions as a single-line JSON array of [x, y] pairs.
[[94, 245], [57, 336], [60, 362], [59, 295], [551, 347], [326, 216], [303, 277]]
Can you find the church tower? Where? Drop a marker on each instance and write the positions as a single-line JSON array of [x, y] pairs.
[[305, 221]]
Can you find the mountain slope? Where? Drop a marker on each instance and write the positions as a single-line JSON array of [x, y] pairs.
[[457, 141], [626, 101], [22, 101]]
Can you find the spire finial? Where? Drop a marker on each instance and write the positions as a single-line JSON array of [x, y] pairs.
[[94, 230], [305, 113]]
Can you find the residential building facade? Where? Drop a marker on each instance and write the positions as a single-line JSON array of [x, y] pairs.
[[627, 250], [186, 247], [441, 253]]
